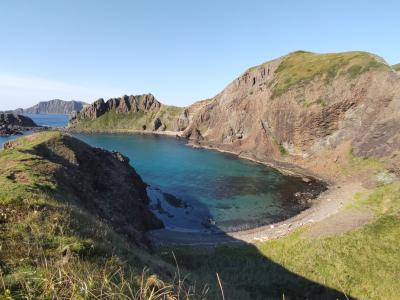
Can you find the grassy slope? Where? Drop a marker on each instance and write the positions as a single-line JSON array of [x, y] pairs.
[[396, 67], [363, 263], [131, 121], [50, 248], [302, 67]]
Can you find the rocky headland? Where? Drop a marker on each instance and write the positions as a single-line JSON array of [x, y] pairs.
[[305, 110], [55, 106], [11, 124]]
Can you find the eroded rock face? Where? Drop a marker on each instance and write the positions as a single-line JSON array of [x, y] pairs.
[[121, 105], [15, 124], [97, 180], [351, 103]]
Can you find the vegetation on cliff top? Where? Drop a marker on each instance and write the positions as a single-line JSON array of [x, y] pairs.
[[113, 121], [302, 67], [54, 248], [396, 67]]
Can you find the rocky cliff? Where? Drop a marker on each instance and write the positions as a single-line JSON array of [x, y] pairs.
[[141, 112], [303, 105], [55, 106], [292, 109], [97, 181], [15, 124]]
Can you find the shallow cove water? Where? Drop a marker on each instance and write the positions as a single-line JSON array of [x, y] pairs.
[[203, 190]]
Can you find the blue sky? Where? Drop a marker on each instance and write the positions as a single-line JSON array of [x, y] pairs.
[[179, 50]]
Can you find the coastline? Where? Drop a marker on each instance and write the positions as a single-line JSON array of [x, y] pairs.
[[322, 207], [126, 131]]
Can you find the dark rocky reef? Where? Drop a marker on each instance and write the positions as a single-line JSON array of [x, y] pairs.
[[15, 124]]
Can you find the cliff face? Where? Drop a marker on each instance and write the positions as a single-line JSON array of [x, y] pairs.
[[293, 109], [55, 106], [14, 124], [303, 104]]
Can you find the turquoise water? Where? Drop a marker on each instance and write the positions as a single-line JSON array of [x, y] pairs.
[[204, 186]]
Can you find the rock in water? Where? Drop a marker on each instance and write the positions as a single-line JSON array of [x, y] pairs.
[[14, 124]]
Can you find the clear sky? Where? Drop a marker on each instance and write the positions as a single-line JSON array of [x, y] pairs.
[[179, 50]]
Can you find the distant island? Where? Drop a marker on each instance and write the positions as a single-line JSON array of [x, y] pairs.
[[55, 107]]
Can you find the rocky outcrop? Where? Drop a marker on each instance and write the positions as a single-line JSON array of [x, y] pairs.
[[15, 124], [122, 105], [302, 104], [141, 112], [101, 182], [55, 106]]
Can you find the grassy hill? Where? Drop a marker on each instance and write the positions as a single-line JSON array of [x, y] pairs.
[[396, 67], [301, 67], [56, 242]]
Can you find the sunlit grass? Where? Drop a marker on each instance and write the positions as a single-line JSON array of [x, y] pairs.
[[299, 68]]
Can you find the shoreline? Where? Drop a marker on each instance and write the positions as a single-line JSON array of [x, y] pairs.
[[169, 133], [323, 206]]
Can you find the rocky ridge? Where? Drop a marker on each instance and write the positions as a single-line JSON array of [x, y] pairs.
[[15, 124], [98, 181], [55, 106], [292, 110], [140, 112], [301, 106]]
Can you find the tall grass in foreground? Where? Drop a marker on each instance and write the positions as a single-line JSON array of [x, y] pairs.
[[77, 279]]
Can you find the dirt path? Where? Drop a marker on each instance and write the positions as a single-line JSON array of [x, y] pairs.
[[323, 208]]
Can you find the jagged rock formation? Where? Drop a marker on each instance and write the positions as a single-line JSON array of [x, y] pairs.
[[291, 108], [15, 124], [141, 112], [302, 104], [55, 106]]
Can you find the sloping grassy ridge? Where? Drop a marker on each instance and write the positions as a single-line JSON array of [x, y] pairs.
[[55, 244], [301, 67]]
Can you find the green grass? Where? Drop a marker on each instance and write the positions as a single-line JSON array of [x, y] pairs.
[[300, 68], [112, 120], [363, 263], [396, 67], [53, 248], [355, 164], [282, 149]]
